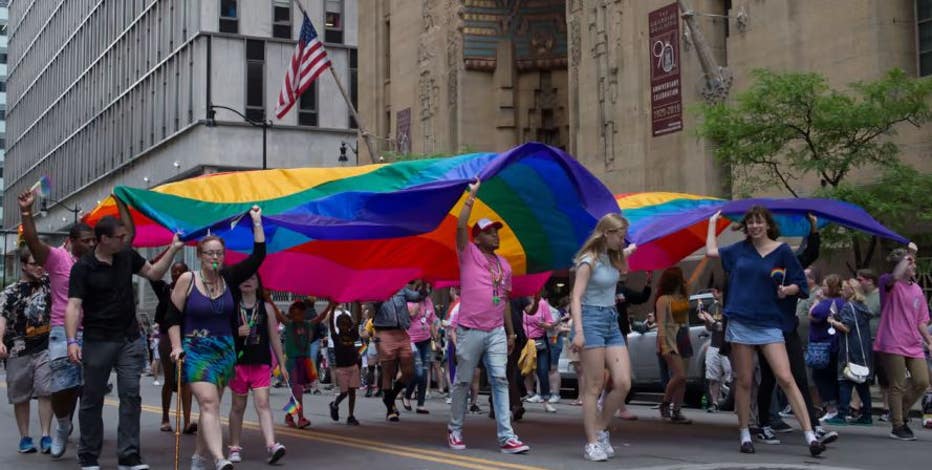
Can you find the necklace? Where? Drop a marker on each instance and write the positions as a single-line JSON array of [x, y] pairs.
[[216, 304], [497, 274], [252, 313]]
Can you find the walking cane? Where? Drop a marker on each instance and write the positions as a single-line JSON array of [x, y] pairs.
[[179, 364]]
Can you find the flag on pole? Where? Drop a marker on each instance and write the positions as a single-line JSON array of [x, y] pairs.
[[293, 407], [43, 187], [308, 62]]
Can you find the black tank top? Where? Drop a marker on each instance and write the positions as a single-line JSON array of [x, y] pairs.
[[253, 349]]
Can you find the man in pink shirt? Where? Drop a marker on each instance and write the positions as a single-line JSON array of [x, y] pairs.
[[481, 325], [66, 375], [901, 336], [423, 329]]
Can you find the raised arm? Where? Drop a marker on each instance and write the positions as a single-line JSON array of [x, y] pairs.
[[243, 270], [711, 239], [155, 272], [39, 250], [462, 233], [126, 218]]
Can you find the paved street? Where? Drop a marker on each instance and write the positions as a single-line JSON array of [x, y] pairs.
[[418, 442]]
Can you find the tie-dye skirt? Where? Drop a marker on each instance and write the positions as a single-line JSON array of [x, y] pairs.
[[209, 359]]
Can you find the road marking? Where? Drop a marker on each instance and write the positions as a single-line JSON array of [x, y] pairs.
[[446, 458]]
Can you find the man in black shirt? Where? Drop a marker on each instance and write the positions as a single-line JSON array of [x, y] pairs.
[[102, 285]]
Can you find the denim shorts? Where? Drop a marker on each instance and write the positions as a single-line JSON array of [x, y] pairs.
[[65, 374], [600, 327], [741, 333]]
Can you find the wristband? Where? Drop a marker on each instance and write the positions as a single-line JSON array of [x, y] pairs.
[[25, 213], [73, 341]]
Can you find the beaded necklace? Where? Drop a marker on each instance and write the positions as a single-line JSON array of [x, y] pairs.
[[216, 304], [496, 276]]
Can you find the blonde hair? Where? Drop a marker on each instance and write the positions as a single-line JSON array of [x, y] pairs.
[[595, 244], [857, 292]]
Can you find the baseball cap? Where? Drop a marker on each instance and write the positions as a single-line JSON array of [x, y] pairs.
[[485, 224]]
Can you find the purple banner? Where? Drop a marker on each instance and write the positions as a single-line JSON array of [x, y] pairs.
[[666, 104]]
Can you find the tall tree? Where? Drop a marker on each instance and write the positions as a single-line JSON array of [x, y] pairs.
[[788, 127]]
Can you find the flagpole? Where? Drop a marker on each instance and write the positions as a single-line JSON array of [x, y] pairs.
[[361, 129]]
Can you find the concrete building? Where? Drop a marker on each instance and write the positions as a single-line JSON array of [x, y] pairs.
[[4, 23], [443, 77], [119, 93]]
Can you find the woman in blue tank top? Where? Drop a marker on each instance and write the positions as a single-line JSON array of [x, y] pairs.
[[202, 320]]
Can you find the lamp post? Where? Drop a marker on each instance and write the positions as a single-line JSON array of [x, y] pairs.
[[343, 158], [264, 124], [43, 208]]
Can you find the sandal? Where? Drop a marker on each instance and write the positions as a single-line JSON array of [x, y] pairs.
[[166, 427], [190, 429]]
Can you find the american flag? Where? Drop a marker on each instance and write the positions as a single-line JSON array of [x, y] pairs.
[[308, 62]]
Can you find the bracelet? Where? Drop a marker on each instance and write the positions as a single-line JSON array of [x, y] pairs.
[[25, 213], [73, 341]]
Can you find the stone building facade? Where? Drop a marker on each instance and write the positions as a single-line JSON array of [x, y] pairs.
[[446, 76]]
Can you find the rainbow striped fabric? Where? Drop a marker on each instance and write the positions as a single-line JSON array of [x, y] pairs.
[[360, 233]]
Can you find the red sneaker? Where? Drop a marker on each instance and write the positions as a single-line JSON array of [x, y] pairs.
[[303, 422], [289, 420], [455, 440], [514, 446]]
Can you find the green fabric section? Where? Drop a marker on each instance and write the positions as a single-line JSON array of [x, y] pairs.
[[507, 203]]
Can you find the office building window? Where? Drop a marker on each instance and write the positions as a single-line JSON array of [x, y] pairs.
[[307, 108], [255, 80], [333, 21], [229, 16], [281, 19], [924, 30], [353, 84]]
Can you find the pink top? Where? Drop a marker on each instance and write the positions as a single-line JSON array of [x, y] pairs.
[[58, 265], [904, 309], [423, 317], [532, 322], [485, 283]]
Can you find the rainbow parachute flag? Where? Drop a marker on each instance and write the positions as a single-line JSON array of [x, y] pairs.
[[43, 187], [292, 407], [361, 233]]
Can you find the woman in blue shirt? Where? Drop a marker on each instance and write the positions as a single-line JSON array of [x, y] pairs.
[[764, 279], [596, 334]]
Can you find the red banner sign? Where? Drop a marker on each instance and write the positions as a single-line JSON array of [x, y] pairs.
[[666, 102]]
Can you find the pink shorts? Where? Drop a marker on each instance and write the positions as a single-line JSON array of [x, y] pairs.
[[248, 377], [348, 378]]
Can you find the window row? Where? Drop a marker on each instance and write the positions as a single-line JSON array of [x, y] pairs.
[[282, 16], [159, 106]]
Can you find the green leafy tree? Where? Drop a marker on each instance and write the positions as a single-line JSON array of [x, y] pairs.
[[788, 127]]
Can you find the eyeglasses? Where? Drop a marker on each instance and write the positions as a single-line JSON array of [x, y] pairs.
[[213, 253]]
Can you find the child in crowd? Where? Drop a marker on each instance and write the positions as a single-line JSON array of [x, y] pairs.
[[346, 345], [298, 336]]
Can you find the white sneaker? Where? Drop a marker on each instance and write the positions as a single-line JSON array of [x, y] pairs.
[[155, 383], [198, 462], [554, 398], [235, 456], [549, 408], [535, 398], [605, 442], [449, 400], [827, 416], [594, 453]]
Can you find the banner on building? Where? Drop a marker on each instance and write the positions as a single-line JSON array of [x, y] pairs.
[[666, 104], [403, 131]]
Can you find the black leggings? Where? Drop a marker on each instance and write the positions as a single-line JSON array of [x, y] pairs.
[[794, 353]]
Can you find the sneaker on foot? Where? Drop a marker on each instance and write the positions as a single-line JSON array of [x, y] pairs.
[[303, 422], [606, 443], [235, 456], [133, 462], [45, 444], [594, 453], [474, 408], [747, 447], [449, 400], [334, 411], [60, 441], [863, 420], [514, 446], [902, 433], [836, 421], [781, 427], [816, 448], [455, 440], [26, 446], [223, 464], [535, 398], [767, 436], [824, 436], [351, 420], [884, 417], [554, 398], [828, 415], [275, 453], [786, 412], [549, 408], [155, 383], [198, 462], [89, 464]]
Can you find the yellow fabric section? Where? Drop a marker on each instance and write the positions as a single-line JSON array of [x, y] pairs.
[[635, 201], [259, 185], [508, 244]]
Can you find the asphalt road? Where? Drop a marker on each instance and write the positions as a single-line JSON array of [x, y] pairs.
[[418, 441]]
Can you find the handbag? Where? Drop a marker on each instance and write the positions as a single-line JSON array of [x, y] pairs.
[[857, 373], [818, 355]]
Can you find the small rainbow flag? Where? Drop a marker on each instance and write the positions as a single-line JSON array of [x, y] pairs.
[[43, 187], [292, 407], [778, 275]]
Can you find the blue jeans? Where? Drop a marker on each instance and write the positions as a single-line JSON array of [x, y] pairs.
[[491, 347], [543, 370], [844, 393], [421, 365]]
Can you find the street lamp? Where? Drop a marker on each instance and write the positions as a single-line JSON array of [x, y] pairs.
[[343, 158], [264, 124], [44, 208]]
